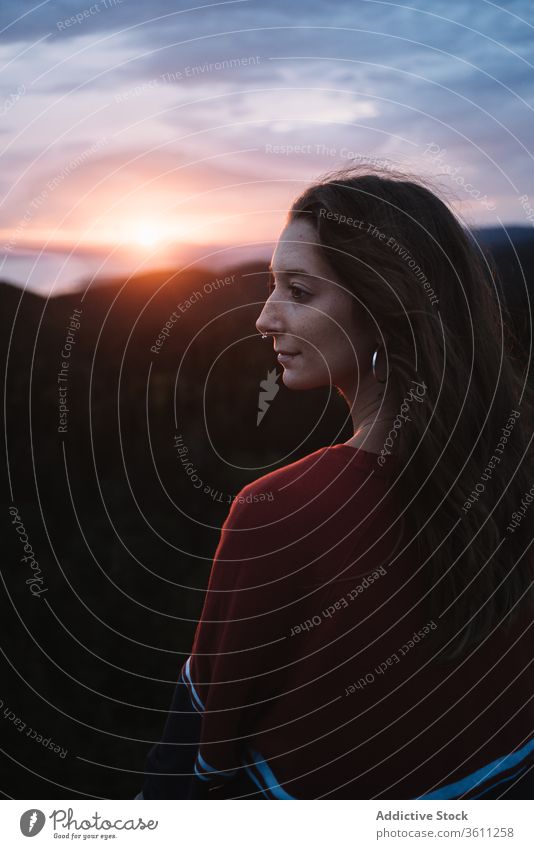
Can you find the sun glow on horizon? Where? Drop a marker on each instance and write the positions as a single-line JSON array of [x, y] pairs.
[[148, 235]]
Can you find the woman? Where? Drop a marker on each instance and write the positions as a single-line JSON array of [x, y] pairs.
[[367, 629]]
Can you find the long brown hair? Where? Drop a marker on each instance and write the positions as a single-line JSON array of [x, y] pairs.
[[465, 457]]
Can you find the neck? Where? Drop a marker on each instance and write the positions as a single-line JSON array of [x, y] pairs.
[[372, 412]]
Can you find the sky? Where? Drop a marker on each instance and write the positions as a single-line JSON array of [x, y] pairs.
[[139, 134]]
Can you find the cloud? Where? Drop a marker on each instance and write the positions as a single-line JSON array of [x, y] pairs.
[[169, 84]]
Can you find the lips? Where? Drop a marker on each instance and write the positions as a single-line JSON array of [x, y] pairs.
[[286, 357]]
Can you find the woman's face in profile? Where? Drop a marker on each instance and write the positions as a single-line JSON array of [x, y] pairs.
[[312, 317]]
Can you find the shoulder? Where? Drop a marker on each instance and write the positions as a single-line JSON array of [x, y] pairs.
[[291, 478], [315, 511], [282, 489], [323, 476], [335, 485]]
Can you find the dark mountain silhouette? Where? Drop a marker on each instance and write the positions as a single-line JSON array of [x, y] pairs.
[[123, 534]]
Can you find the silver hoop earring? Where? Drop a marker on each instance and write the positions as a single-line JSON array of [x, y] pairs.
[[373, 361], [264, 336]]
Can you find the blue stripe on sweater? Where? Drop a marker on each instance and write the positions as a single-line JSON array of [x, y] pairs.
[[213, 771], [498, 766], [501, 780], [187, 677], [268, 777]]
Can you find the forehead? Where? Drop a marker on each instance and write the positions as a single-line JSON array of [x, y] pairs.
[[297, 248]]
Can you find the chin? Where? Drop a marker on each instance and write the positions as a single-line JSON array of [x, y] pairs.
[[293, 380]]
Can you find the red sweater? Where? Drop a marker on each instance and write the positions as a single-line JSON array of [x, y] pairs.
[[312, 672]]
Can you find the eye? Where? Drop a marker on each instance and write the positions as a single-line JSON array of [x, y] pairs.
[[297, 293]]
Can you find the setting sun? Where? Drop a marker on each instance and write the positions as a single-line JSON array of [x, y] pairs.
[[148, 235]]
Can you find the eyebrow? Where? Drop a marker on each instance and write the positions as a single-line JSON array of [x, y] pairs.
[[288, 271]]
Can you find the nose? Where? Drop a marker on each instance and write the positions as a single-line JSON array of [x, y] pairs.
[[269, 322]]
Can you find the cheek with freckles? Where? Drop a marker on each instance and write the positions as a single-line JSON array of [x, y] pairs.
[[347, 357], [340, 341], [326, 355]]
